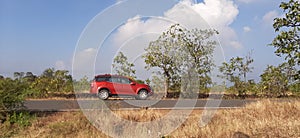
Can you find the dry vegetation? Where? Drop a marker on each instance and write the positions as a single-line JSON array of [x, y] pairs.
[[261, 119]]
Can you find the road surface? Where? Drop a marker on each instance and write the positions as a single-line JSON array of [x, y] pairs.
[[76, 105]]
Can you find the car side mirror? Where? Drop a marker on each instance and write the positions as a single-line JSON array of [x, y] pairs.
[[133, 83]]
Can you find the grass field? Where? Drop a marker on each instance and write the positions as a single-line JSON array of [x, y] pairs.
[[262, 119]]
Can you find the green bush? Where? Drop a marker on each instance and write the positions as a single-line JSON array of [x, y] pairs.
[[12, 93], [140, 81], [275, 80], [83, 85], [22, 119], [295, 88]]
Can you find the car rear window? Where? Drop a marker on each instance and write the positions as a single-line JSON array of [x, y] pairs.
[[100, 79]]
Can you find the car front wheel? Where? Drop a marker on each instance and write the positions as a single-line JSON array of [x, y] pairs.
[[142, 95], [103, 94]]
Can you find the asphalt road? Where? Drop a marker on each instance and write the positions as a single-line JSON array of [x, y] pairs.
[[75, 105]]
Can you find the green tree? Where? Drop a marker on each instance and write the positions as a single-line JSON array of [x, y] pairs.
[[82, 85], [44, 83], [159, 54], [178, 52], [52, 80], [295, 88], [122, 67], [200, 47], [275, 80], [62, 81], [287, 42], [29, 77], [156, 83], [11, 95], [236, 72], [26, 80], [19, 75]]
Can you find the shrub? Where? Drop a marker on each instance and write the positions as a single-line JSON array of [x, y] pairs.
[[12, 93]]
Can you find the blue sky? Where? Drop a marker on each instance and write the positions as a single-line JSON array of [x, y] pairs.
[[35, 34], [39, 34]]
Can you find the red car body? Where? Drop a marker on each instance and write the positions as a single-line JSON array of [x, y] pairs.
[[118, 85]]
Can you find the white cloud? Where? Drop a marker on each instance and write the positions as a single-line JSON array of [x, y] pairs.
[[119, 1], [246, 29], [89, 50], [86, 57], [84, 63], [218, 14], [236, 44], [136, 27], [60, 65], [246, 1], [270, 16]]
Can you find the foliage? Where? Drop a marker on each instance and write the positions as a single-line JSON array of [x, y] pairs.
[[13, 92], [82, 85], [295, 88], [200, 48], [22, 119], [236, 72], [156, 83], [179, 52], [160, 53], [140, 81], [254, 88], [11, 95], [275, 80], [148, 81], [122, 67], [287, 42], [24, 85], [52, 80], [33, 86]]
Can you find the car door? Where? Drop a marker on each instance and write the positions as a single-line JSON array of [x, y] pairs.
[[126, 86], [117, 85]]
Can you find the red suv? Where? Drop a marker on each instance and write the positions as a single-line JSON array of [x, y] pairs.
[[109, 85]]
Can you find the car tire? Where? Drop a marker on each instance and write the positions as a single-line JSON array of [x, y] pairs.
[[103, 94], [142, 95]]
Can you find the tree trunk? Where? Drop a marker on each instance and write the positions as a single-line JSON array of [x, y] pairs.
[[166, 86]]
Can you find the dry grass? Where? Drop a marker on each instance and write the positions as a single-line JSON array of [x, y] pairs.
[[60, 125], [261, 119]]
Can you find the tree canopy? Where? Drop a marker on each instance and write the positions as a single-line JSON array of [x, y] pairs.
[[236, 71], [287, 42], [122, 66], [178, 50]]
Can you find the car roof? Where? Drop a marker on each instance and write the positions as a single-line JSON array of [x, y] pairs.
[[110, 75]]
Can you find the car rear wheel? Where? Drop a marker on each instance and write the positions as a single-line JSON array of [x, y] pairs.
[[142, 95], [103, 94]]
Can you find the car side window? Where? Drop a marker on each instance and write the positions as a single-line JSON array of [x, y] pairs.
[[108, 79], [125, 81], [100, 79], [116, 80]]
